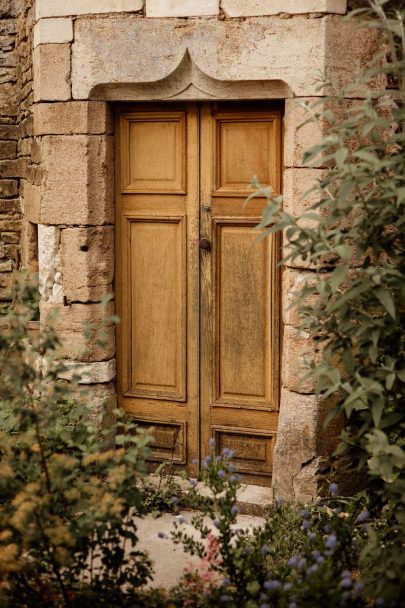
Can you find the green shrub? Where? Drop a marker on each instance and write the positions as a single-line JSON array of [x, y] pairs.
[[67, 527]]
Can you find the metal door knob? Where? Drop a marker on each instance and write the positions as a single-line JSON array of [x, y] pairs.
[[205, 244]]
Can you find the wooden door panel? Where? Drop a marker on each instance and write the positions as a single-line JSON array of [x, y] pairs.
[[157, 274], [242, 308], [239, 288], [157, 282], [154, 152]]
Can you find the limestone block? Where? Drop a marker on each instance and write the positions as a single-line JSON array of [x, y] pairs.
[[87, 262], [102, 402], [302, 443], [49, 263], [90, 373], [53, 31], [289, 53], [73, 117], [29, 246], [299, 349], [181, 8], [31, 201], [293, 281], [78, 180], [8, 187], [84, 330], [298, 194], [297, 138], [61, 8], [249, 8], [52, 72]]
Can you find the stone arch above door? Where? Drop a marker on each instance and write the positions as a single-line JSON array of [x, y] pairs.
[[189, 82]]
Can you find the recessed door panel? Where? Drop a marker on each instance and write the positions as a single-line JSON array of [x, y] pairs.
[[158, 331]]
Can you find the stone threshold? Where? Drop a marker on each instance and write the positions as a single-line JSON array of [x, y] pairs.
[[251, 500]]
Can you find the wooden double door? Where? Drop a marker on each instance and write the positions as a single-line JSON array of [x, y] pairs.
[[197, 290]]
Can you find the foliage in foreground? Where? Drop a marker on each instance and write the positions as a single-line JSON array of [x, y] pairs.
[[67, 527], [353, 244], [299, 557]]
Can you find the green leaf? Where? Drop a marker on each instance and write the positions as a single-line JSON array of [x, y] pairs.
[[386, 300]]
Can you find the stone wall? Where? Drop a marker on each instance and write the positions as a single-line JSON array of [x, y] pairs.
[[10, 216], [87, 53]]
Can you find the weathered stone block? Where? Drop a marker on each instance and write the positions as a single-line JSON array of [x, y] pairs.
[[298, 139], [248, 8], [303, 443], [102, 401], [289, 53], [181, 8], [52, 72], [299, 349], [79, 329], [78, 180], [31, 201], [298, 190], [8, 187], [53, 31], [293, 281], [91, 373], [74, 117], [49, 263], [8, 149], [61, 8], [88, 263]]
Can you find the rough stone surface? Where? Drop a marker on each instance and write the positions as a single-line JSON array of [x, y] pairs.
[[73, 117], [248, 8], [298, 194], [91, 373], [298, 138], [292, 282], [61, 8], [84, 330], [299, 349], [52, 72], [53, 31], [237, 51], [50, 276], [181, 8], [303, 441], [88, 263], [78, 180]]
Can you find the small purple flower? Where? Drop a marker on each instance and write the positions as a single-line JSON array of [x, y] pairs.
[[231, 467], [226, 582], [265, 605], [292, 605], [221, 474], [234, 510], [161, 535], [223, 599], [215, 522], [175, 500], [218, 458], [193, 482], [346, 574], [302, 563], [346, 583], [208, 460], [363, 517], [313, 569], [225, 452], [311, 536], [306, 524], [280, 502], [293, 561], [233, 479], [331, 542], [265, 550], [334, 489], [315, 553], [304, 513], [212, 442], [358, 587], [181, 520], [272, 585], [320, 559]]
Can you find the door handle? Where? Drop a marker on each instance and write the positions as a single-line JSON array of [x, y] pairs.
[[205, 244]]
